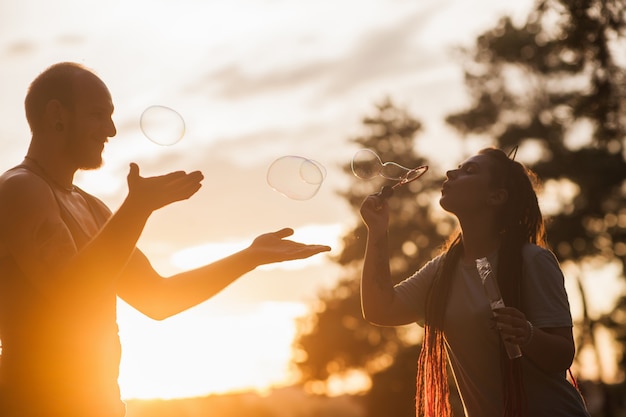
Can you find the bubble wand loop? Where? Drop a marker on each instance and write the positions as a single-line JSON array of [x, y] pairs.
[[387, 190], [366, 164]]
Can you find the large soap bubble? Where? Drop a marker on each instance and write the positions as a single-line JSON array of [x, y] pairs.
[[296, 177], [162, 125]]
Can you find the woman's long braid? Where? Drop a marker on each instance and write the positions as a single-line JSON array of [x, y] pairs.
[[520, 222], [432, 395]]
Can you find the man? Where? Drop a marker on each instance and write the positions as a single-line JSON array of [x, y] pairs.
[[64, 257]]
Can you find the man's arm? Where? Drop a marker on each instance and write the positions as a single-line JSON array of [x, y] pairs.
[[34, 233], [159, 297]]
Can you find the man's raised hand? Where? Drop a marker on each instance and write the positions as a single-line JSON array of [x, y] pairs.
[[152, 193]]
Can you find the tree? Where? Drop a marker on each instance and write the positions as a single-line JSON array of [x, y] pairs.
[[555, 86], [552, 86], [336, 340]]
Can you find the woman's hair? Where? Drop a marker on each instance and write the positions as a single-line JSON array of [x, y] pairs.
[[55, 83], [520, 222]]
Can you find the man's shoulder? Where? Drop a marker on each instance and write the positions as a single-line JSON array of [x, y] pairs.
[[20, 182]]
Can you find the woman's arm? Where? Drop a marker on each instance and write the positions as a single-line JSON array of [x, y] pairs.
[[551, 349], [379, 303]]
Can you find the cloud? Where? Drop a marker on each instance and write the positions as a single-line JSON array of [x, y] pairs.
[[378, 53], [385, 53], [19, 48], [399, 55]]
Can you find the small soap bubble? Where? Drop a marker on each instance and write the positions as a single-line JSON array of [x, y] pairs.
[[366, 164], [296, 177], [162, 125], [312, 172]]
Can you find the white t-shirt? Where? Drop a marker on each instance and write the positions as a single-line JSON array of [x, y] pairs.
[[473, 343]]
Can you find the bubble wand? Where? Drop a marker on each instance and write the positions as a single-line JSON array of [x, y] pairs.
[[366, 164]]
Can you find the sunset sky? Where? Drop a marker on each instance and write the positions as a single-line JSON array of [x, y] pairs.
[[254, 80]]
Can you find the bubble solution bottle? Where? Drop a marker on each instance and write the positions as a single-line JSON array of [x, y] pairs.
[[487, 276]]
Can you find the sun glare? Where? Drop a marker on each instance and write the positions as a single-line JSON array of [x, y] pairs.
[[196, 354], [213, 348], [319, 234]]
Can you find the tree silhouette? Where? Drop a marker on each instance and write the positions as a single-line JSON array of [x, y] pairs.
[[336, 339], [571, 87], [554, 86]]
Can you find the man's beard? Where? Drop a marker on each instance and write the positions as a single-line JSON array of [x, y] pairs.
[[79, 152]]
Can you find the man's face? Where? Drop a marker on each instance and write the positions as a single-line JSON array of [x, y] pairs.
[[90, 125]]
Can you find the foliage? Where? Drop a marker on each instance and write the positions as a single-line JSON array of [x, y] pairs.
[[555, 87], [336, 339]]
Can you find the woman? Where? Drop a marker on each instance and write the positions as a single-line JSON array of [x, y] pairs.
[[495, 203]]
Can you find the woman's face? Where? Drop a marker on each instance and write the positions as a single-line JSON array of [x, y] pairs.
[[468, 189]]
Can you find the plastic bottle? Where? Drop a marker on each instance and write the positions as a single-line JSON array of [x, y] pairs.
[[490, 284]]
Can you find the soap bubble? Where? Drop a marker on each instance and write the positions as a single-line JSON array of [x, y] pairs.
[[296, 177], [162, 125], [366, 164]]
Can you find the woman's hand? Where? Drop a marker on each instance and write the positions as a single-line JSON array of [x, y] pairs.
[[513, 326], [375, 212], [550, 348]]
